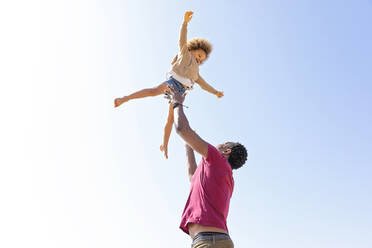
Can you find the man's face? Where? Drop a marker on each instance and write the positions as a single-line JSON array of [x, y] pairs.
[[225, 148]]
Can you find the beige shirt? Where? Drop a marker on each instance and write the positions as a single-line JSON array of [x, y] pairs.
[[184, 64]]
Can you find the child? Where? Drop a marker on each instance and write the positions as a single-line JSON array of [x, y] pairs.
[[183, 75]]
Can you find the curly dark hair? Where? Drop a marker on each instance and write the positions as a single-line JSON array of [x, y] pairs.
[[238, 156], [200, 43]]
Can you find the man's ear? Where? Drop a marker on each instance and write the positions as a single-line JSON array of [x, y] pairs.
[[227, 151]]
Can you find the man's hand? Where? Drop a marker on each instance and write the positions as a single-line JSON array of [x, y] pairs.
[[219, 94], [175, 96], [188, 16]]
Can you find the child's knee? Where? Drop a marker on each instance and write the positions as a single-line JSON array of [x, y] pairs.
[[162, 88]]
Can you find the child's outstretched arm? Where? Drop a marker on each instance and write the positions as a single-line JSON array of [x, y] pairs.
[[183, 33], [205, 86]]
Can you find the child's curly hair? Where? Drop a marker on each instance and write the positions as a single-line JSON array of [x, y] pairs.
[[200, 43]]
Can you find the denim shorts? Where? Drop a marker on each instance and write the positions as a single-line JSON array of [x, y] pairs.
[[177, 85]]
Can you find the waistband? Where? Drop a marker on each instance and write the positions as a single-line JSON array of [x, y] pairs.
[[186, 82], [209, 236]]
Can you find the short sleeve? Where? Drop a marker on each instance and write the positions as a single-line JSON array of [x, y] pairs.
[[217, 163], [214, 156]]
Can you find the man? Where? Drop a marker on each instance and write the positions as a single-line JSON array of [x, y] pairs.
[[206, 210]]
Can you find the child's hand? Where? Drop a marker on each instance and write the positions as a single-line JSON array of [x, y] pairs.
[[164, 149], [188, 16], [219, 94], [119, 101]]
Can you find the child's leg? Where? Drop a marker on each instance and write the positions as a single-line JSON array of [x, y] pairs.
[[167, 131], [158, 90]]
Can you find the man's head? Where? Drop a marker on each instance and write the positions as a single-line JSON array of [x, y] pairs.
[[200, 49], [234, 152]]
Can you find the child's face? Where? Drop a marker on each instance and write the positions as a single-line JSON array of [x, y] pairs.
[[199, 55]]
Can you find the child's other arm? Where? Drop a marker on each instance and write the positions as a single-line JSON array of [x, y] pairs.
[[205, 86], [183, 33]]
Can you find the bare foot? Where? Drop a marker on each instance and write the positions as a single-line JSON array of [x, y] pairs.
[[119, 101], [164, 149]]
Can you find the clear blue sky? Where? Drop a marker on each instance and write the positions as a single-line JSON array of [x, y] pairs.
[[298, 94]]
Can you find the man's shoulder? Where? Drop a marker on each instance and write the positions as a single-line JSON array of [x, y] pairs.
[[214, 155]]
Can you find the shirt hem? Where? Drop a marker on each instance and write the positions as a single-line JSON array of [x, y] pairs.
[[184, 227]]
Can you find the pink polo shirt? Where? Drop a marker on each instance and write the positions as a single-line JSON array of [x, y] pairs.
[[211, 189]]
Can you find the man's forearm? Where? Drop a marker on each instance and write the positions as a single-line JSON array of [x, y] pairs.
[[182, 126], [180, 121], [191, 163]]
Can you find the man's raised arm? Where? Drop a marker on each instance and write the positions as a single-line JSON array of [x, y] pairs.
[[191, 163], [183, 128]]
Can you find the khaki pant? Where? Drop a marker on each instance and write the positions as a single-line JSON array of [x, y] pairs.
[[226, 243]]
